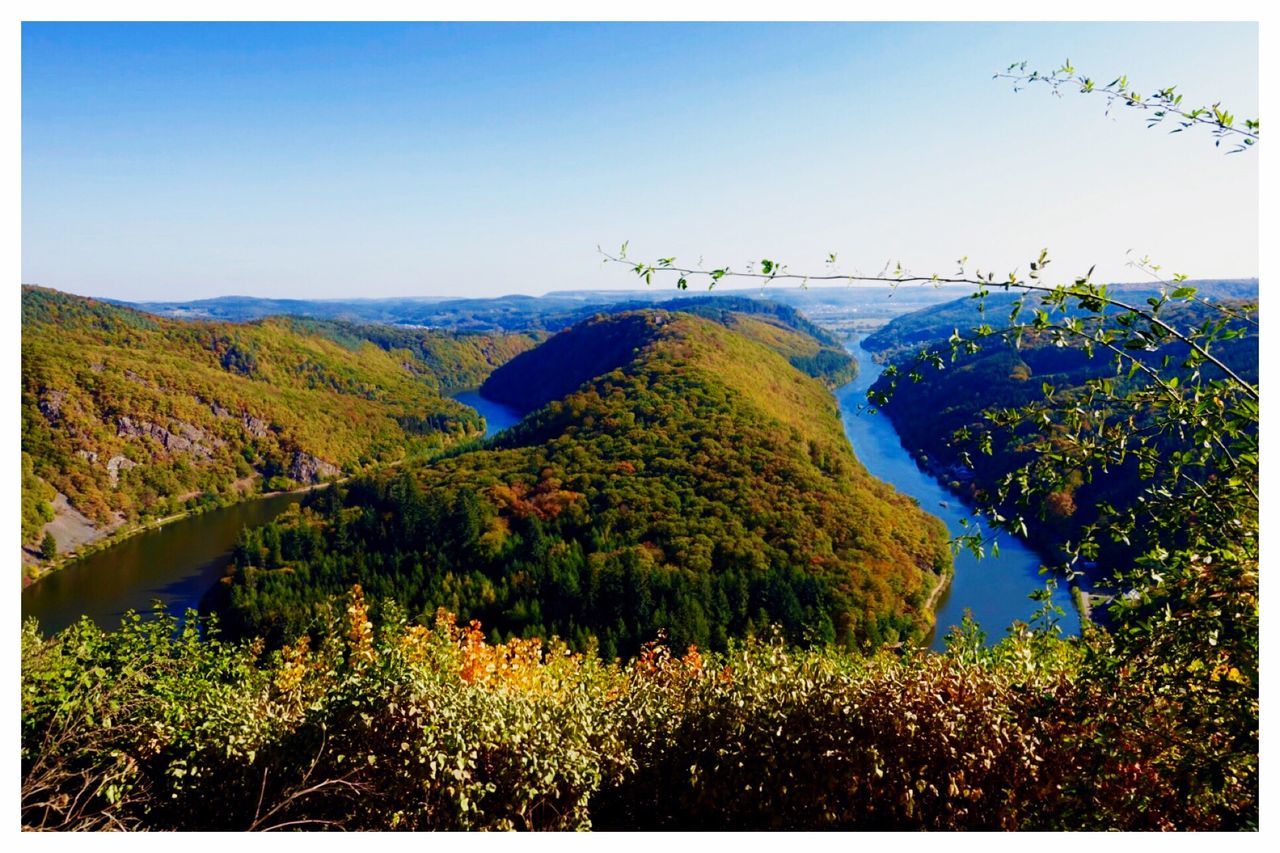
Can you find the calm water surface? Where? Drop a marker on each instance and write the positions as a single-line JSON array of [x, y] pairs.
[[994, 588], [497, 417], [176, 564]]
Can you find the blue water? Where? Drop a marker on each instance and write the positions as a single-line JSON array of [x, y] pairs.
[[497, 417], [995, 588]]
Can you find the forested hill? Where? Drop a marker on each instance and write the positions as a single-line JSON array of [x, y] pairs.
[[907, 333], [942, 417], [129, 415], [594, 348], [697, 484], [389, 322], [453, 361]]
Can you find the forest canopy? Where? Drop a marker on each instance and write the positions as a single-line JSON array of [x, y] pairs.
[[697, 484]]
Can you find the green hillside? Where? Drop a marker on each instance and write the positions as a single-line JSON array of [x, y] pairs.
[[130, 416], [697, 484], [943, 417]]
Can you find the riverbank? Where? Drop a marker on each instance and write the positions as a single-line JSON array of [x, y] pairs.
[[947, 477], [994, 590], [175, 559], [175, 563], [119, 533], [932, 602], [114, 535]]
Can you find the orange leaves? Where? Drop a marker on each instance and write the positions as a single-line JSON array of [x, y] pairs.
[[1060, 504], [544, 501], [518, 664], [656, 663]]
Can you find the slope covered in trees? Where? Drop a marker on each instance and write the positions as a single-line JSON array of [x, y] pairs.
[[453, 361], [942, 414], [130, 415], [575, 355], [690, 481]]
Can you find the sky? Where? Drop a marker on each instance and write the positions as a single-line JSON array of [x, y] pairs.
[[184, 161]]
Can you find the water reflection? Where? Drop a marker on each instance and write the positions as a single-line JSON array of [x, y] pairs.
[[176, 564]]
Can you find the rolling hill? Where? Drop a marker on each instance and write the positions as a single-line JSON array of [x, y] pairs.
[[674, 475], [125, 415]]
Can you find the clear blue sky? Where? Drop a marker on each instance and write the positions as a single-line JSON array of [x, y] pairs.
[[178, 161]]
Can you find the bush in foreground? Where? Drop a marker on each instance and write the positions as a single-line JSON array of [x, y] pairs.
[[161, 726]]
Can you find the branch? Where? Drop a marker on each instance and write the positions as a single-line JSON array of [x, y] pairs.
[[776, 272], [1164, 103]]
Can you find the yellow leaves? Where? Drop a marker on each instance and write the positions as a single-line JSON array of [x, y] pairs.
[[415, 642], [360, 632], [1225, 672], [293, 667]]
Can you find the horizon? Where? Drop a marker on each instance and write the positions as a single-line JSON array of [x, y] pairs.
[[289, 160], [740, 290]]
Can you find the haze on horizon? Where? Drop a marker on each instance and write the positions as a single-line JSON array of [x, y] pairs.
[[186, 161]]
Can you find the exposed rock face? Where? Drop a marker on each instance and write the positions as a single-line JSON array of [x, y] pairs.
[[187, 442], [114, 466], [190, 432], [257, 427], [308, 469], [72, 528], [50, 405], [89, 456], [219, 410]]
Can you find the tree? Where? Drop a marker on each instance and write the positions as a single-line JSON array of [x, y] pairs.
[[48, 547]]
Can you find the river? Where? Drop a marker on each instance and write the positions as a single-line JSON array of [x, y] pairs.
[[179, 562], [497, 417], [995, 588]]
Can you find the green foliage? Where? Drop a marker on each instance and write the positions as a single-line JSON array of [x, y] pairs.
[[48, 547], [435, 727], [699, 485], [1162, 108], [36, 498], [130, 415], [946, 416]]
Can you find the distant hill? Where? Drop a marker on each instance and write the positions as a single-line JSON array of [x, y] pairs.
[[571, 357], [504, 313], [677, 475], [129, 415], [909, 332], [556, 310]]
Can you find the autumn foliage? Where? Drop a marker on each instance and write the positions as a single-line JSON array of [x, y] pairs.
[[433, 726]]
